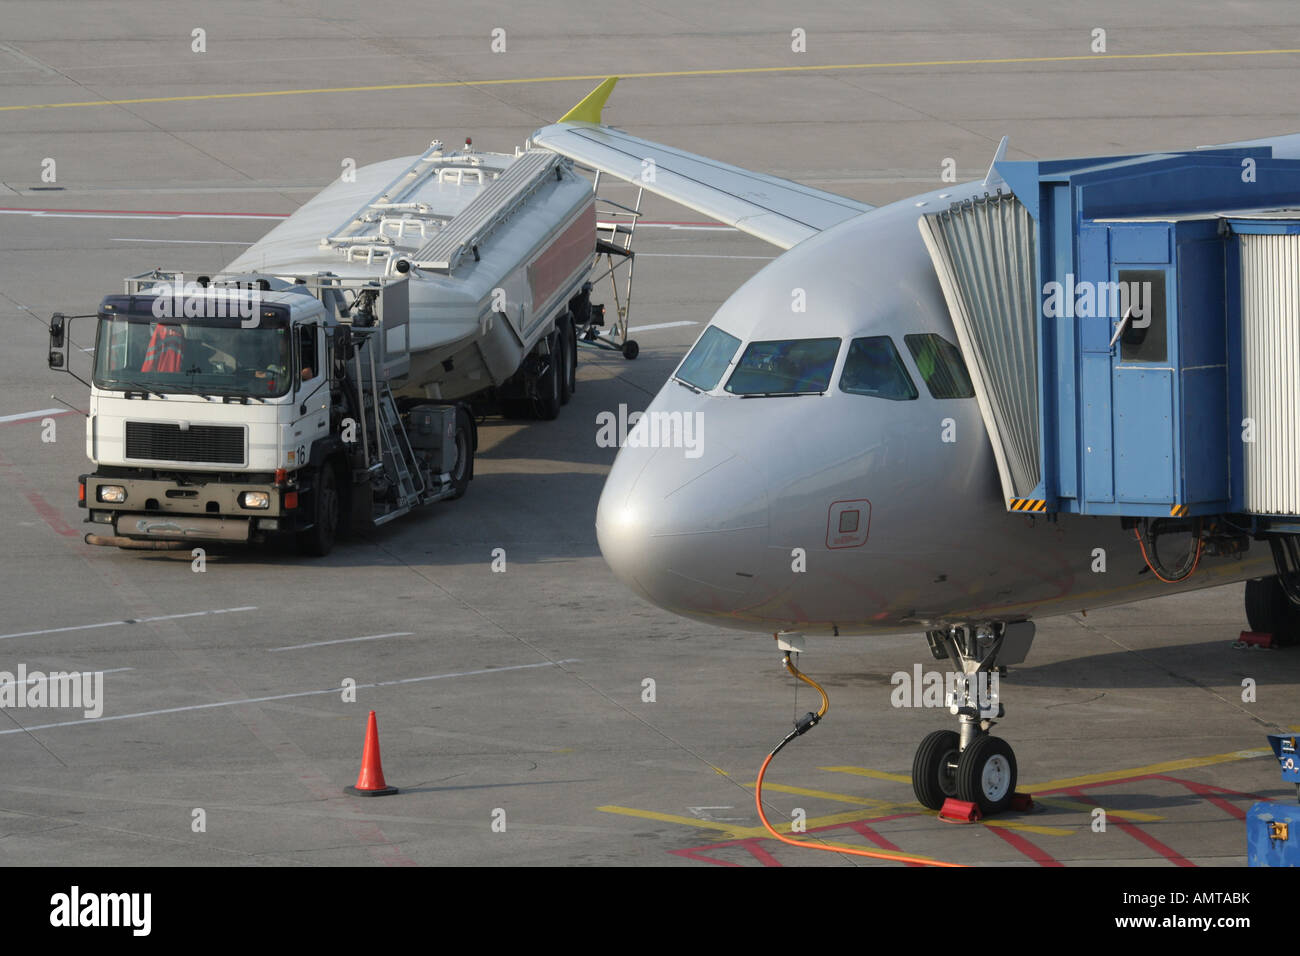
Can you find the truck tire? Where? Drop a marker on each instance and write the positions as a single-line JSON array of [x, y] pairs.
[[569, 349], [318, 540], [549, 385], [463, 470]]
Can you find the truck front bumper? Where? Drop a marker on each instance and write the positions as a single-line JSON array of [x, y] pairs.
[[170, 511]]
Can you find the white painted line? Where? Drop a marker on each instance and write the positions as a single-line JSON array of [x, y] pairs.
[[661, 325], [132, 620], [111, 670], [304, 693], [685, 227], [23, 416], [187, 242], [345, 640], [694, 255]]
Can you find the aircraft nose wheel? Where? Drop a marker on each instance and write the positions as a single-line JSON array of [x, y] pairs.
[[986, 774], [934, 768]]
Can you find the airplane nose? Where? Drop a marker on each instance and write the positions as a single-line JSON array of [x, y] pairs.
[[685, 533]]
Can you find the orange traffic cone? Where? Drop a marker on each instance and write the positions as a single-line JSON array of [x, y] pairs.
[[370, 781]]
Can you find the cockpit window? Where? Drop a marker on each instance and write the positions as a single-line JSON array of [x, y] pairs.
[[874, 367], [712, 353], [940, 365], [788, 367]]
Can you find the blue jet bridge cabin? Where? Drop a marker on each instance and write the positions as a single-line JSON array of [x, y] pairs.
[[1132, 328]]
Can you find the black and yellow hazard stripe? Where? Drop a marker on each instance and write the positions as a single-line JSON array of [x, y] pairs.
[[1178, 511], [1028, 504]]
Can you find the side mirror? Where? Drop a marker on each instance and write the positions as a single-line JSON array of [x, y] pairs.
[[56, 330]]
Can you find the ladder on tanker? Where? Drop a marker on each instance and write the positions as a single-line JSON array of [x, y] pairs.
[[390, 463], [615, 229]]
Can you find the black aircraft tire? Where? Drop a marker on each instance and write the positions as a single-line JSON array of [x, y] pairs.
[[1270, 612], [932, 780], [986, 774]]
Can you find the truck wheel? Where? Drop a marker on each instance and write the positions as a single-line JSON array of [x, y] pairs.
[[550, 385], [569, 349], [463, 470], [317, 540]]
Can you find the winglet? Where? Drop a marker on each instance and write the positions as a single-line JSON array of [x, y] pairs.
[[588, 111], [994, 178]]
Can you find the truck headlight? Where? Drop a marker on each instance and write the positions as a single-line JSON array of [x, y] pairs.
[[254, 499], [114, 494]]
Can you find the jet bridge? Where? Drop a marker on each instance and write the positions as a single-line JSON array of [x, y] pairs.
[[1132, 328]]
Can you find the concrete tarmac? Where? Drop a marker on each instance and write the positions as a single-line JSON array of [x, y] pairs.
[[512, 707]]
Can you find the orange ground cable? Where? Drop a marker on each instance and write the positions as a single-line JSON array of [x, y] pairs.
[[807, 723], [1190, 571]]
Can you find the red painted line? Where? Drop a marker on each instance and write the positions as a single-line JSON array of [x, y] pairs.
[[1209, 793], [697, 854], [754, 846], [1029, 849], [267, 215], [1167, 852], [1135, 831], [50, 515], [862, 829]]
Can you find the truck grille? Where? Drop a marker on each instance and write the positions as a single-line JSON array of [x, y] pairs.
[[157, 441]]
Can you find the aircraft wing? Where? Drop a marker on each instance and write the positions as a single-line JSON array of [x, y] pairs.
[[779, 211]]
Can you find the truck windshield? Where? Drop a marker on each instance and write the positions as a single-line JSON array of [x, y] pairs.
[[192, 355]]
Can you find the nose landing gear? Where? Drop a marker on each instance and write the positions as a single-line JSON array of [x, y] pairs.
[[971, 764]]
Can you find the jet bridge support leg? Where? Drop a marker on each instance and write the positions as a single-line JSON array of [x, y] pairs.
[[970, 763]]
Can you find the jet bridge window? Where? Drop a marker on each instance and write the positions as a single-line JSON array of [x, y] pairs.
[[940, 365], [1143, 338], [709, 359], [786, 367], [875, 368]]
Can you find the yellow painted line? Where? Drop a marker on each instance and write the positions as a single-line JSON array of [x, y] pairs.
[[1135, 815], [673, 818], [519, 81], [729, 830], [828, 795], [1028, 827], [1168, 766], [874, 774]]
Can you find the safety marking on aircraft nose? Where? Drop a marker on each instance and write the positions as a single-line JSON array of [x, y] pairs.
[[1028, 504]]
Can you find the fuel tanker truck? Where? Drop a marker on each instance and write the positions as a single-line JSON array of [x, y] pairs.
[[329, 377]]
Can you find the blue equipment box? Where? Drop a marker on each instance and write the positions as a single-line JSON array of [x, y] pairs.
[[1273, 834], [1288, 756]]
